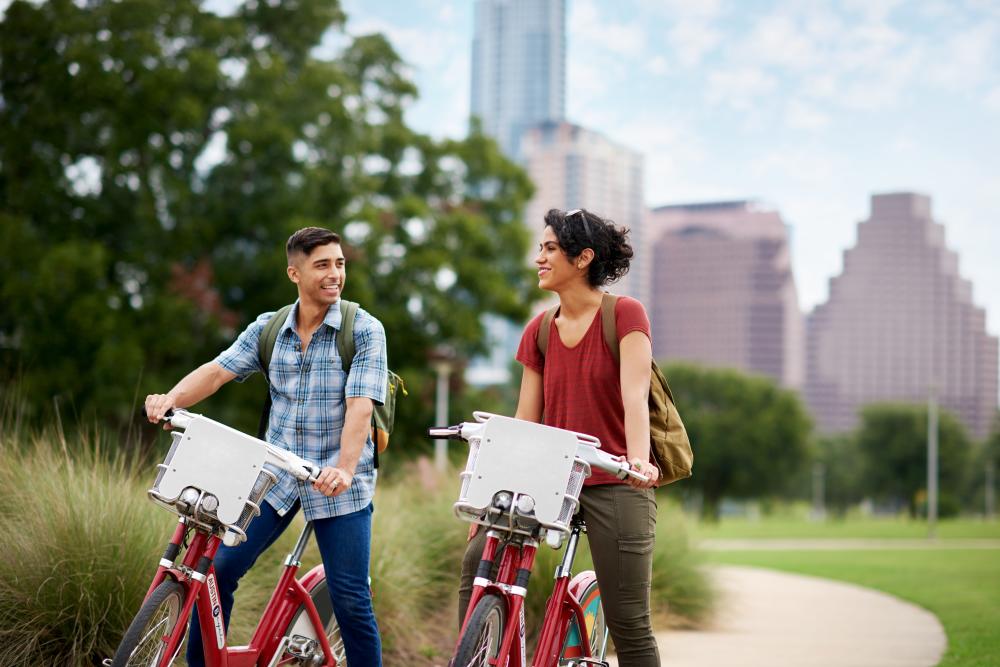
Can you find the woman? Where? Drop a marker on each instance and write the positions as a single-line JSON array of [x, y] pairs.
[[577, 385]]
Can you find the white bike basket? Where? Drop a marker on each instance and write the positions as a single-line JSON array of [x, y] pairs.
[[523, 458], [215, 459]]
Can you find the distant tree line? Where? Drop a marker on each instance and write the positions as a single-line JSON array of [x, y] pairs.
[[754, 440]]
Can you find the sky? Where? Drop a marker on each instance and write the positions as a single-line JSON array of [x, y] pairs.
[[808, 106]]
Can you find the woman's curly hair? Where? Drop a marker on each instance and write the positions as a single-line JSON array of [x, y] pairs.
[[580, 229]]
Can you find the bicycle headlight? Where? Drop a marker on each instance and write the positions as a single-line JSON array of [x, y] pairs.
[[502, 500], [188, 497], [525, 504]]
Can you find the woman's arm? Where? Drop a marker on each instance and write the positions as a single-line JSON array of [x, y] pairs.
[[530, 401], [636, 360]]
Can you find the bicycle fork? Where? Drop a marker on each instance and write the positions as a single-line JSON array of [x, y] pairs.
[[557, 611]]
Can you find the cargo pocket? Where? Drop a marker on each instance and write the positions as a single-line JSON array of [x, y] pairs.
[[635, 561]]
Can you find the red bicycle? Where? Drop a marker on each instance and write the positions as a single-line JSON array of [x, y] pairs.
[[522, 481], [215, 478]]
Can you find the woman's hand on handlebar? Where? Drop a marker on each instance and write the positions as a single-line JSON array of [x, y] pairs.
[[649, 471]]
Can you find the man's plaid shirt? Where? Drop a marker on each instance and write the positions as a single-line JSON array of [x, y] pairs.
[[308, 395]]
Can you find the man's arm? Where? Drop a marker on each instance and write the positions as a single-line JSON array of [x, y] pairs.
[[333, 481], [196, 386]]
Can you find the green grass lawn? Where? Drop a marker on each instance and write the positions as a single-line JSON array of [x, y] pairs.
[[849, 528], [961, 587]]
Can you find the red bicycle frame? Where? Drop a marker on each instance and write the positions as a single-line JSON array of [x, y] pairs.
[[511, 583], [196, 574]]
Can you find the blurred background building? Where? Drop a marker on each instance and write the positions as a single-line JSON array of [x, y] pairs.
[[722, 291], [899, 323], [518, 67], [518, 81]]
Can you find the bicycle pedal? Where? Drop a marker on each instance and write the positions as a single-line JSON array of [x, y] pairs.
[[305, 649], [585, 661]]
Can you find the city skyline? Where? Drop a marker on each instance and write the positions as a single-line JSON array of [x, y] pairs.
[[810, 109]]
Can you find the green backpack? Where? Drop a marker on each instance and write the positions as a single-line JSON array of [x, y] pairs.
[[383, 415], [668, 438]]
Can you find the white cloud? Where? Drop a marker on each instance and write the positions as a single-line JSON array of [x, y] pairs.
[[599, 33], [966, 58], [800, 115], [658, 66], [992, 99], [779, 40], [692, 40], [738, 87]]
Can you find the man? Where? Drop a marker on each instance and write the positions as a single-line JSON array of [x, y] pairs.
[[324, 416]]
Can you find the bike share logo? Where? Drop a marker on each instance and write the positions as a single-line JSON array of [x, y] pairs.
[[213, 596]]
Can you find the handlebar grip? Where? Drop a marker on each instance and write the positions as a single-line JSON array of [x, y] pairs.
[[445, 432], [169, 413]]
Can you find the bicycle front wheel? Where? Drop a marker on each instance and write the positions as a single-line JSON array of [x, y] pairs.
[[597, 627], [145, 639], [481, 640]]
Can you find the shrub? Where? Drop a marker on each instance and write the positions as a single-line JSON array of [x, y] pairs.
[[73, 566]]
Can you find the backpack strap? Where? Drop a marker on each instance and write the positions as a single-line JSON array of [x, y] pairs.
[[345, 334], [268, 337], [543, 331], [609, 326], [265, 348]]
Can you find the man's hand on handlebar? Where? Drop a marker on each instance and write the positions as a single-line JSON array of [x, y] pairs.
[[156, 408], [333, 481]]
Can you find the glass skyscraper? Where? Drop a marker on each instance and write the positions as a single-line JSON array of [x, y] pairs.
[[518, 67]]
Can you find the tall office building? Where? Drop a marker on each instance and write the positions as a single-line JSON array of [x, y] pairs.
[[722, 291], [518, 67], [518, 81], [899, 322], [573, 167]]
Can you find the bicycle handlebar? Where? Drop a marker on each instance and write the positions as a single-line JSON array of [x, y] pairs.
[[298, 467], [588, 449]]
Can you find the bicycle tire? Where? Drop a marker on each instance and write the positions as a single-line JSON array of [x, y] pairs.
[[483, 633], [300, 624], [142, 645], [590, 601]]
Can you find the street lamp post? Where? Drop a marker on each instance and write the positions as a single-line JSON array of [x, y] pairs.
[[443, 362], [932, 464]]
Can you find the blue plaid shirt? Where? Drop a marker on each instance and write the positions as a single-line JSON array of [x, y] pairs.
[[308, 395]]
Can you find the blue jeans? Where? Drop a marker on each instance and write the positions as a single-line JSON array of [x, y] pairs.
[[344, 543]]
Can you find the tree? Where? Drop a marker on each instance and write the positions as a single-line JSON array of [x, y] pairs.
[[154, 157], [750, 437], [892, 439], [842, 472]]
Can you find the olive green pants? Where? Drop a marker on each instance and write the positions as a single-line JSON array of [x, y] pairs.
[[621, 523]]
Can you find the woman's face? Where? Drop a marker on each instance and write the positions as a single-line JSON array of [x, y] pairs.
[[555, 269]]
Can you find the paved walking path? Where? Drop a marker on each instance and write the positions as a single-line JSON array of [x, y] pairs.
[[774, 619]]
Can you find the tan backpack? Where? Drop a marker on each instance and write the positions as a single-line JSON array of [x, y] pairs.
[[668, 439]]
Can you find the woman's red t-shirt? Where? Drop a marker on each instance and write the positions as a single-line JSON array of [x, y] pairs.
[[581, 385]]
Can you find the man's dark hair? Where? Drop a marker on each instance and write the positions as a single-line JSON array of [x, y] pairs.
[[308, 239], [580, 229]]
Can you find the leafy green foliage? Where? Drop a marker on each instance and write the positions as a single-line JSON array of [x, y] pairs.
[[892, 439], [155, 157], [750, 437], [842, 472]]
